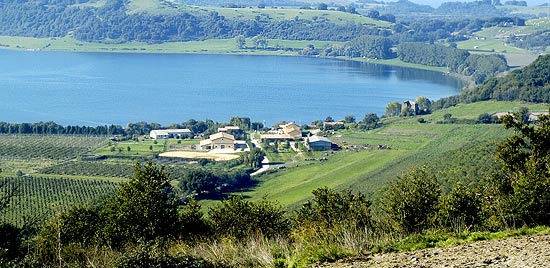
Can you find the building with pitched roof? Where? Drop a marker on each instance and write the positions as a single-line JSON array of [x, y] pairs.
[[220, 140]]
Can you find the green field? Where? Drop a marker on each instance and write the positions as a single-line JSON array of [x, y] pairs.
[[457, 151], [212, 46], [530, 10], [278, 14], [39, 198], [493, 38]]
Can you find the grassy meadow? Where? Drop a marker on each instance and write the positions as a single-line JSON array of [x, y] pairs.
[[493, 39]]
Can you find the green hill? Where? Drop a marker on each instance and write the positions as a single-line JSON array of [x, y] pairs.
[[457, 152]]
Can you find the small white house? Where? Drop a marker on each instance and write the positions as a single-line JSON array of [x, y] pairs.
[[169, 133]]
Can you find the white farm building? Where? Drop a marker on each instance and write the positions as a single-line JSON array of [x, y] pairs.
[[169, 133]]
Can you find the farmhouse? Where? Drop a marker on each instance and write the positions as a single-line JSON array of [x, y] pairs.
[[317, 143], [169, 133], [220, 140], [409, 107], [289, 131]]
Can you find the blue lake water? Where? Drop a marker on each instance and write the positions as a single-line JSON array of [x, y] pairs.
[[108, 88]]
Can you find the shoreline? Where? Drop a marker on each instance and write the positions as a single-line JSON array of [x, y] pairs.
[[207, 47]]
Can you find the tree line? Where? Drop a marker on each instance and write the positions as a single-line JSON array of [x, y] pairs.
[[206, 127], [52, 128]]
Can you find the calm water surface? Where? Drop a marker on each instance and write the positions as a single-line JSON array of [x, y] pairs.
[[105, 88]]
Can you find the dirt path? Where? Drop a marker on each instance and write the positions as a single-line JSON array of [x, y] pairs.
[[527, 251]]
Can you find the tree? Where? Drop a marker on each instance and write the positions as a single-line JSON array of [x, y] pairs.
[[424, 105], [461, 208], [329, 209], [199, 181], [393, 109], [349, 118], [524, 181], [373, 13], [411, 200], [371, 121], [240, 42], [259, 42], [322, 6], [143, 209], [239, 218]]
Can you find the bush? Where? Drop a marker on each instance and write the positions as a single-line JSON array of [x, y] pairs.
[[330, 208], [142, 210], [411, 200], [460, 209], [238, 218]]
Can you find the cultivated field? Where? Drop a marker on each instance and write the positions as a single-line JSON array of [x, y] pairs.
[[39, 198]]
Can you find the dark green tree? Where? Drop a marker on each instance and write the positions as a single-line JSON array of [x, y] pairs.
[[329, 209], [411, 200], [349, 118], [461, 209], [424, 105], [239, 218], [142, 210], [524, 181], [393, 109], [240, 41]]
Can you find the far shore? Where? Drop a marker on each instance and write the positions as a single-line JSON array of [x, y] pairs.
[[213, 46]]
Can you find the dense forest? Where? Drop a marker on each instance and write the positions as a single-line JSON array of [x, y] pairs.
[[530, 84]]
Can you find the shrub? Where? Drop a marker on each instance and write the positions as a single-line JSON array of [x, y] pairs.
[[411, 200], [460, 209], [142, 210], [239, 218], [330, 208]]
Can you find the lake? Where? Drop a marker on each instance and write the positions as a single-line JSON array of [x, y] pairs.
[[110, 88]]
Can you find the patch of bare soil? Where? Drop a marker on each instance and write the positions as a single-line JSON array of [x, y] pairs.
[[526, 251]]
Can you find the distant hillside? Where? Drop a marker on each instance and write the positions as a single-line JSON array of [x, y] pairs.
[[156, 21], [531, 84]]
